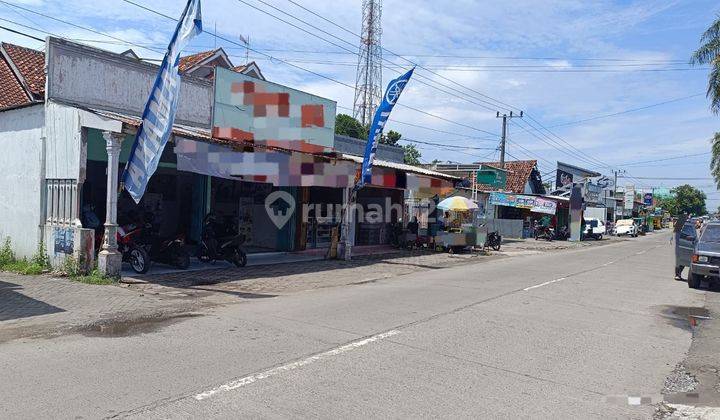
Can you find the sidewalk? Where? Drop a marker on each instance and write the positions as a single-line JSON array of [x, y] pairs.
[[42, 306]]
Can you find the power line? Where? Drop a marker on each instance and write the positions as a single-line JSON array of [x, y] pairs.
[[78, 26], [22, 33], [614, 114]]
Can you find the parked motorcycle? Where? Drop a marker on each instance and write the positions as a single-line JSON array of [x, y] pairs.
[[493, 240], [132, 251], [170, 251], [220, 241], [544, 232], [562, 233], [127, 238]]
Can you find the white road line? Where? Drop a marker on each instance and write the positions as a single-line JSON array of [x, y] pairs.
[[294, 365], [608, 263], [544, 284]]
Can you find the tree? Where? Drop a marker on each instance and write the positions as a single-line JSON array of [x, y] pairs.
[[686, 199], [715, 161], [709, 53], [348, 126], [391, 138], [412, 154]]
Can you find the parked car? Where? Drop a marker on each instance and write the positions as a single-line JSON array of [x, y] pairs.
[[626, 227], [594, 228], [705, 260], [685, 238]]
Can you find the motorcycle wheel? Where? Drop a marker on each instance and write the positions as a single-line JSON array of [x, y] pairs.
[[139, 260], [496, 246], [238, 258], [181, 258]]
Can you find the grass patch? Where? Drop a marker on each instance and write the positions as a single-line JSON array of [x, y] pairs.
[[74, 271], [38, 264], [94, 277]]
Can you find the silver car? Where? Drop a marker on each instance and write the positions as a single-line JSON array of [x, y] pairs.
[[685, 237], [705, 259]]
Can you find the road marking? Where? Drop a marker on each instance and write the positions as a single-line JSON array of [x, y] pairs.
[[238, 383], [544, 284], [641, 252], [608, 263]]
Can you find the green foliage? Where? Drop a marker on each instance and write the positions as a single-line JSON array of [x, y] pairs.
[[709, 53], [41, 258], [412, 154], [348, 126], [715, 161], [7, 255], [391, 138], [9, 262], [685, 199], [73, 269], [94, 277]]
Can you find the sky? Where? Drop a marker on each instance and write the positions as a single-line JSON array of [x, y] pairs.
[[568, 64]]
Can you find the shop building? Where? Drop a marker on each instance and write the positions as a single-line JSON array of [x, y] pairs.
[[59, 125]]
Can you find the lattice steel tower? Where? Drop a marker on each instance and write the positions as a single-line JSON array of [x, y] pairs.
[[368, 81]]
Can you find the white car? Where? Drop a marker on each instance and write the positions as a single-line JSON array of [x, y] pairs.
[[596, 226], [626, 227]]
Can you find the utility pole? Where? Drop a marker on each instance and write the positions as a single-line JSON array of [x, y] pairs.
[[504, 134], [615, 193]]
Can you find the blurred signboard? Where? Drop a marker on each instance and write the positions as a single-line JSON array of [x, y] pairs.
[[532, 203], [247, 109], [629, 197], [493, 177], [648, 199]]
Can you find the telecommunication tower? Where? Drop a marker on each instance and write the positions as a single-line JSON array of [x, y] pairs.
[[368, 80]]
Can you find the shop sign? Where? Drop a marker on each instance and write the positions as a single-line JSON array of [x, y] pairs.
[[629, 197], [534, 204], [648, 199], [592, 193], [493, 177], [247, 109]]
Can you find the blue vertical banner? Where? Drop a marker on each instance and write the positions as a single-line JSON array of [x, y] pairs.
[[159, 114], [392, 94]]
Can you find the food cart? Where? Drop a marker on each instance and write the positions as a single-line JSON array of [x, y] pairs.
[[460, 231]]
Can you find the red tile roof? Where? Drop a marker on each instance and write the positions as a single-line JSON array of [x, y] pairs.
[[31, 65], [518, 173], [12, 93], [190, 61]]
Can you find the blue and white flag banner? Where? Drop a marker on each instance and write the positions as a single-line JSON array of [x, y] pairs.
[[392, 94], [159, 114]]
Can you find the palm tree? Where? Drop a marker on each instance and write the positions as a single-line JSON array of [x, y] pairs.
[[715, 161], [709, 53]]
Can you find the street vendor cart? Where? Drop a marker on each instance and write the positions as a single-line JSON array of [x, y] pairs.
[[460, 231]]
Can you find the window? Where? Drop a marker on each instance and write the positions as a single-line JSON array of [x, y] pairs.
[[688, 230], [711, 234]]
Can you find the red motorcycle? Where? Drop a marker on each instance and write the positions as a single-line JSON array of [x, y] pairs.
[[128, 240]]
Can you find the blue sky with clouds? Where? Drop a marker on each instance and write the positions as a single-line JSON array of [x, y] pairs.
[[561, 61]]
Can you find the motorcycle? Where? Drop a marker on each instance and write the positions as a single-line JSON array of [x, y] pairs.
[[170, 251], [562, 234], [127, 238], [493, 240], [132, 251], [221, 242], [544, 232]]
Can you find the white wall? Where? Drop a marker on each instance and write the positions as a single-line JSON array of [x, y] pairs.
[[21, 132]]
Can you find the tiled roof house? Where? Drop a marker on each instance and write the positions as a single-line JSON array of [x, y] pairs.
[[22, 72]]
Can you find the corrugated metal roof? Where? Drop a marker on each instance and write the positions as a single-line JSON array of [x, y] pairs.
[[402, 167]]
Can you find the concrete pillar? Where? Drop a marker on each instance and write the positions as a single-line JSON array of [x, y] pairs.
[[348, 222], [109, 259]]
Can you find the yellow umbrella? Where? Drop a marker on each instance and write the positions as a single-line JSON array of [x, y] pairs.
[[457, 203]]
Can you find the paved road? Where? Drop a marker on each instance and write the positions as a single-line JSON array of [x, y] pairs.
[[567, 335]]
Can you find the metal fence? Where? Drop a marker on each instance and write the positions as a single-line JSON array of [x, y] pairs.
[[62, 199]]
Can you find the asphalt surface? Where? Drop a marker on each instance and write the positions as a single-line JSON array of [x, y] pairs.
[[559, 335]]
